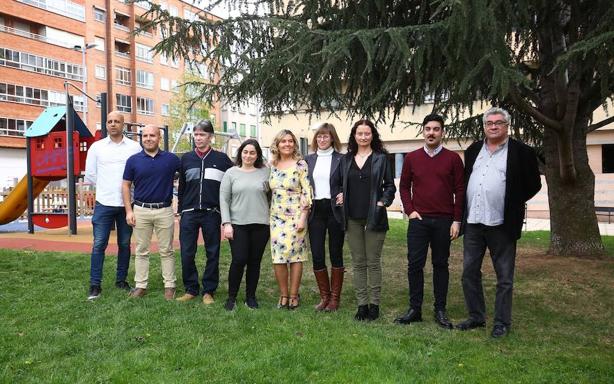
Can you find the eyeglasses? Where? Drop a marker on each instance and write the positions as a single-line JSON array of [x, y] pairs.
[[498, 123]]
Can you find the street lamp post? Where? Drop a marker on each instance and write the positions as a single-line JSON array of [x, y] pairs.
[[83, 49]]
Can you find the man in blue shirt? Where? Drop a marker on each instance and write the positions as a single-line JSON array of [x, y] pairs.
[[199, 205], [152, 173], [501, 175]]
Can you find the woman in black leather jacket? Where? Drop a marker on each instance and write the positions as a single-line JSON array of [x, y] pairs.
[[365, 187]]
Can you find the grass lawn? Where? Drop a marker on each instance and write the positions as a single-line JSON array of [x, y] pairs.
[[562, 331]]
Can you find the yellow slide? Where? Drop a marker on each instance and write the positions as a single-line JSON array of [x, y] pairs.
[[17, 201]]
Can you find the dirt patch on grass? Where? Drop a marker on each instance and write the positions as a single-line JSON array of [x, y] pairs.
[[566, 269]]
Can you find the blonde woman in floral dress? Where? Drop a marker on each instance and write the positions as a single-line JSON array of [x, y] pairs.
[[291, 198]]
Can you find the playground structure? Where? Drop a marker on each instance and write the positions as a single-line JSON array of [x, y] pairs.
[[52, 157], [56, 148]]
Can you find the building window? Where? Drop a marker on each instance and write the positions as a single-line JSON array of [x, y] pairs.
[[65, 7], [174, 86], [242, 131], [607, 156], [99, 41], [173, 11], [144, 106], [100, 14], [101, 72], [124, 102], [165, 84], [144, 53], [13, 127], [234, 127], [40, 64], [165, 110], [122, 75], [189, 15], [144, 79], [174, 62], [225, 126], [35, 96], [163, 59], [252, 131]]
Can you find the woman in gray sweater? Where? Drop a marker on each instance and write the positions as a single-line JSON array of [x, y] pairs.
[[245, 216]]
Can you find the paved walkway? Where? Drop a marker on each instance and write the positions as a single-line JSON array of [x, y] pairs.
[[15, 236]]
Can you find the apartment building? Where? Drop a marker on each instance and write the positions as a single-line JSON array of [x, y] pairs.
[[89, 43], [244, 119]]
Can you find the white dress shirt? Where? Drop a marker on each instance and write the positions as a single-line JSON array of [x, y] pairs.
[[433, 152], [486, 187], [105, 167]]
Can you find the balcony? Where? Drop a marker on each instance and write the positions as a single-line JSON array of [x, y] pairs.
[[34, 36], [122, 22], [122, 49], [61, 7], [125, 55]]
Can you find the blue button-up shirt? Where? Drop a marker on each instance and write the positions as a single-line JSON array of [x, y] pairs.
[[486, 188]]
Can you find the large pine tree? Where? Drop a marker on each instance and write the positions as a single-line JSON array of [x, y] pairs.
[[549, 62]]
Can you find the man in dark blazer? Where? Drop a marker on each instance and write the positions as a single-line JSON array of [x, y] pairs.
[[501, 175]]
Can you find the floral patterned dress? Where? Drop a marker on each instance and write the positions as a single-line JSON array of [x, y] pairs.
[[287, 188]]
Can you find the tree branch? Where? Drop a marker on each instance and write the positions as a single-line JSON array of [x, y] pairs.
[[593, 99], [532, 111], [602, 123]]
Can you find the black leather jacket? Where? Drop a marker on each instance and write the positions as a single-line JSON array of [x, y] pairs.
[[334, 169], [382, 189]]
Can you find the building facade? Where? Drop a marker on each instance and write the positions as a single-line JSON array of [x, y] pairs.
[[244, 120], [89, 43], [400, 141]]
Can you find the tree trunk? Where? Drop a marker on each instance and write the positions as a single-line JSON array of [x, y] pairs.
[[573, 222]]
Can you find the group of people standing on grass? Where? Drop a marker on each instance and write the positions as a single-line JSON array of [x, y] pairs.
[[326, 195]]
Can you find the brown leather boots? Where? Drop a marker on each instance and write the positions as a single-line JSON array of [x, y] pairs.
[[330, 292]]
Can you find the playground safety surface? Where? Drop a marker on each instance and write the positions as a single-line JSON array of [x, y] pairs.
[[59, 240]]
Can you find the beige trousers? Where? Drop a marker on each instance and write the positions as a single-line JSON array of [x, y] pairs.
[[162, 222]]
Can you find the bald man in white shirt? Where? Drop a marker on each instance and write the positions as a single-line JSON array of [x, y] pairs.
[[104, 167]]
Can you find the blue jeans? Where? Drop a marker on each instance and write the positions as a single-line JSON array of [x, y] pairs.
[[102, 221], [192, 222]]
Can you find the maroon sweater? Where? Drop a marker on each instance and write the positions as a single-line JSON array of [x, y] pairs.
[[433, 185]]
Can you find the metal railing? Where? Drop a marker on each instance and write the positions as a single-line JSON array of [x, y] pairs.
[[123, 54], [121, 27]]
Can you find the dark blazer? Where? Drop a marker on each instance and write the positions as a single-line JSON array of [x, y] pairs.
[[522, 182], [382, 189], [334, 168]]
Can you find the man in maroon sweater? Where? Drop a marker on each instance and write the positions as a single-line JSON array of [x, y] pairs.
[[432, 191]]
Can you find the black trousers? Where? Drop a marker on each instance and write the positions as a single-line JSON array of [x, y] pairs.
[[207, 221], [323, 220], [247, 248], [433, 231], [502, 247]]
